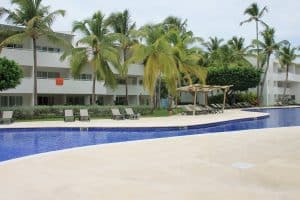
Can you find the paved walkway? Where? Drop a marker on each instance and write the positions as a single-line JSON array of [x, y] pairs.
[[254, 164], [178, 120]]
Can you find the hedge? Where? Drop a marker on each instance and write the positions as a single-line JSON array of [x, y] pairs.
[[51, 112], [240, 97]]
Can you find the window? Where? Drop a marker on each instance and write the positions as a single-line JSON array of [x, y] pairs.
[[47, 75], [120, 100], [141, 82], [121, 81], [84, 77], [14, 46], [48, 49], [75, 100], [10, 101], [45, 100]]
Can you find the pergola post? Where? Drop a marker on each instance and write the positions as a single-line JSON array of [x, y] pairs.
[[195, 102], [224, 99]]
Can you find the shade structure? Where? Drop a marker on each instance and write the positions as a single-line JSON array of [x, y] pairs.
[[200, 88]]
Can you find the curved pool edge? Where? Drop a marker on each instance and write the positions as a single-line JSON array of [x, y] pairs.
[[261, 115]]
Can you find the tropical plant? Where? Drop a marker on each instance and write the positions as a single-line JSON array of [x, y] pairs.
[[239, 51], [122, 24], [156, 53], [268, 46], [255, 14], [173, 22], [213, 44], [10, 74], [95, 49], [36, 20], [286, 55]]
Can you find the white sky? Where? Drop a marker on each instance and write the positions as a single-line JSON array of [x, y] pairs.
[[206, 18]]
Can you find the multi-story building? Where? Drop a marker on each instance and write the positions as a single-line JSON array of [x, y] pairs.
[[275, 82], [56, 86]]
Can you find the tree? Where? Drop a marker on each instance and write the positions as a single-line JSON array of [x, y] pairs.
[[242, 78], [213, 44], [156, 53], [36, 20], [97, 50], [10, 74], [286, 55], [255, 14], [268, 46], [239, 51], [173, 22], [122, 25]]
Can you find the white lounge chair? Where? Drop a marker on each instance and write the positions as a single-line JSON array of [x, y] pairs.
[[116, 114], [69, 116], [84, 115], [130, 114], [7, 117]]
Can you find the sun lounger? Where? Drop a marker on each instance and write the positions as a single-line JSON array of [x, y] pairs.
[[69, 116], [7, 117], [84, 115], [214, 106], [116, 114], [200, 110], [210, 109], [187, 110], [130, 114]]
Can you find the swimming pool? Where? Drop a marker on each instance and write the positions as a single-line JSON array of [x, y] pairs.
[[15, 143]]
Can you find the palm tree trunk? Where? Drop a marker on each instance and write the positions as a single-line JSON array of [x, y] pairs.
[[264, 79], [34, 72], [257, 61], [286, 82], [126, 90], [158, 92], [94, 89]]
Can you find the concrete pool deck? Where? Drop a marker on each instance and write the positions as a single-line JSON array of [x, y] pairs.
[[177, 120], [253, 164]]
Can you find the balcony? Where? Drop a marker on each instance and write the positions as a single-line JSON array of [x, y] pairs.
[[132, 90], [292, 77], [279, 91], [26, 87], [25, 57]]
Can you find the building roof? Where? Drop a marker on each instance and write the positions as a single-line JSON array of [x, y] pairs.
[[203, 88]]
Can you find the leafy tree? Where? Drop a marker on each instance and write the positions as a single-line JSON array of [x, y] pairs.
[[239, 51], [10, 74], [268, 46], [286, 55], [255, 14], [36, 20], [122, 24], [242, 78], [97, 50], [155, 52]]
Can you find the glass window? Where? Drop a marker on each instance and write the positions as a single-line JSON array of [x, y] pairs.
[[44, 48], [4, 101], [50, 49]]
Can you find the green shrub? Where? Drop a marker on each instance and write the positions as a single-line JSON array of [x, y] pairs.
[[52, 112], [10, 74], [240, 97]]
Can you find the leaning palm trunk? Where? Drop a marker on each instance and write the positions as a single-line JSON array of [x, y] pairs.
[[257, 62], [34, 72], [94, 89], [264, 79], [286, 84]]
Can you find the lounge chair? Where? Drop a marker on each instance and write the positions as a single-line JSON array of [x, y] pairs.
[[187, 110], [116, 114], [200, 110], [214, 106], [84, 115], [227, 106], [130, 114], [69, 116], [210, 109], [7, 117]]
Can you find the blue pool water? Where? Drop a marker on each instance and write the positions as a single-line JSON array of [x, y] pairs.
[[16, 143]]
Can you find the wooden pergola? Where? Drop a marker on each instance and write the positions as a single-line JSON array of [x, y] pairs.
[[199, 88]]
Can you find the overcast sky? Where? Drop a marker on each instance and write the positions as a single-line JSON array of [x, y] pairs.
[[206, 18]]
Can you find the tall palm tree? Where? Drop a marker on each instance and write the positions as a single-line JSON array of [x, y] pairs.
[[122, 24], [239, 50], [268, 46], [156, 53], [213, 44], [255, 14], [172, 22], [286, 55], [36, 20], [95, 49]]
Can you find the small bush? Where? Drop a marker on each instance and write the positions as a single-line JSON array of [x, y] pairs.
[[52, 112], [240, 97]]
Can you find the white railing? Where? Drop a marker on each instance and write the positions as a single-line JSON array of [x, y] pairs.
[[44, 59]]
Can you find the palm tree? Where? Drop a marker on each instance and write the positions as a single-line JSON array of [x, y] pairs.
[[156, 53], [97, 50], [268, 46], [122, 25], [286, 55], [213, 44], [36, 20], [239, 51], [173, 22], [255, 14]]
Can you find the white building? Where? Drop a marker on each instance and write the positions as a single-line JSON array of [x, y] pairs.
[[275, 82], [74, 91]]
